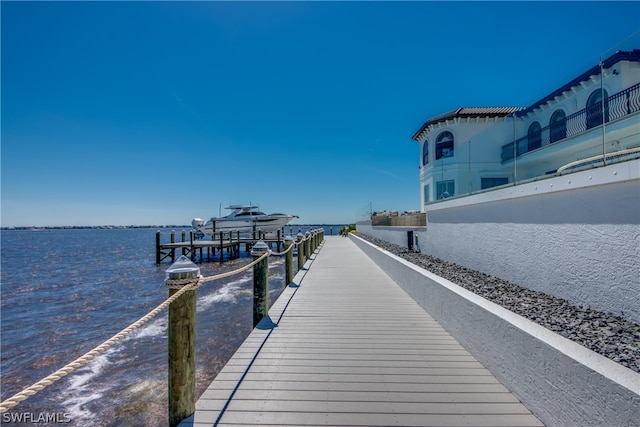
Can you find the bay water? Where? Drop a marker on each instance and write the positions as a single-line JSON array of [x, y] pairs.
[[65, 291]]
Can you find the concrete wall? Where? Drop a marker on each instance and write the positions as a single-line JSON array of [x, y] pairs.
[[576, 237], [561, 382]]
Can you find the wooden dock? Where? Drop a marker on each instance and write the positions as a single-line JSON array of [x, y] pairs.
[[228, 242], [345, 346]]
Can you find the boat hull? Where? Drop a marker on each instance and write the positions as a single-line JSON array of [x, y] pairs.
[[245, 226]]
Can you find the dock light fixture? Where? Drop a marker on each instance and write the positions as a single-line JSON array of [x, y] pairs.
[[300, 236], [307, 234], [288, 240], [182, 269], [259, 249]]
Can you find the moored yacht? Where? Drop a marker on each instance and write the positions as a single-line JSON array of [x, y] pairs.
[[245, 219]]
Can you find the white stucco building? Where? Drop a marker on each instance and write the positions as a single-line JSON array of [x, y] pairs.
[[545, 196], [473, 149]]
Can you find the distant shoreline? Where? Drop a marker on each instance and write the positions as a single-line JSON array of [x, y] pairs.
[[89, 227], [115, 227]]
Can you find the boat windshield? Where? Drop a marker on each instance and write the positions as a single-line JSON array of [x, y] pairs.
[[250, 214]]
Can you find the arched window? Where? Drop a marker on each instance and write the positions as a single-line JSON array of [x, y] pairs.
[[425, 152], [558, 126], [444, 145], [594, 108], [534, 137]]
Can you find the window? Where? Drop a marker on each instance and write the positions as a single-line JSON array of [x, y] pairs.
[[425, 152], [594, 108], [493, 182], [534, 137], [558, 126], [445, 189], [427, 197], [444, 145]]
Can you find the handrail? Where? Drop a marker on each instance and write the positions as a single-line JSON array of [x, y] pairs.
[[617, 106], [85, 358], [597, 158]]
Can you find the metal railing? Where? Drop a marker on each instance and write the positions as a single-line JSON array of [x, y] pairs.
[[616, 107], [597, 159]]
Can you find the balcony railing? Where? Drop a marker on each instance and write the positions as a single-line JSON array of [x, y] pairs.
[[615, 107]]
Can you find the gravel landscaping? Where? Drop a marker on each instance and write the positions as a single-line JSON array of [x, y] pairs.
[[605, 333]]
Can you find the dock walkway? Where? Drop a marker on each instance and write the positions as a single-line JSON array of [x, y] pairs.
[[345, 346]]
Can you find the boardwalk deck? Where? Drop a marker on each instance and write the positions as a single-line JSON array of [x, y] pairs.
[[347, 347]]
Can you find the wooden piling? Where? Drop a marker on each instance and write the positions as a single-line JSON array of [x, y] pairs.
[[221, 247], [158, 247], [279, 240], [300, 254], [173, 250], [288, 262], [182, 357], [192, 252], [260, 285]]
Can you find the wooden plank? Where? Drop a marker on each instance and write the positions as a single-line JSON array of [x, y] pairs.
[[368, 407], [352, 349], [296, 386], [366, 419], [356, 396]]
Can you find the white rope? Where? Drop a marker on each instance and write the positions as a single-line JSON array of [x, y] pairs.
[[289, 248], [234, 272], [183, 285]]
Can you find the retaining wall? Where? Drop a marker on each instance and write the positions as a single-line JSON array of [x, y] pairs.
[[576, 237], [561, 382]]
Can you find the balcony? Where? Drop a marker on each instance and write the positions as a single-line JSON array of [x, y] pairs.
[[616, 107]]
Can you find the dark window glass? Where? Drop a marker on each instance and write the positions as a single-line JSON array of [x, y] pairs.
[[594, 108], [445, 189], [493, 182], [444, 145], [558, 126], [425, 152], [534, 137]]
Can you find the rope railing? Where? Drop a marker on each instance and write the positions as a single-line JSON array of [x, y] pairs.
[[289, 248], [182, 286]]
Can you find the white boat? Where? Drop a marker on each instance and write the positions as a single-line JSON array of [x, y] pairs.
[[245, 219]]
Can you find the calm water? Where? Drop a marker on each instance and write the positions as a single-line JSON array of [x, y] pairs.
[[66, 291]]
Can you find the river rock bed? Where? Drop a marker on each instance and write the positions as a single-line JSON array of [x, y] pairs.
[[607, 334]]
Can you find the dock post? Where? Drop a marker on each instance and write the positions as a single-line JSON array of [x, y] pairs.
[[193, 255], [181, 333], [288, 260], [158, 247], [307, 249], [221, 247], [173, 249], [279, 237], [300, 241], [260, 282], [314, 240]]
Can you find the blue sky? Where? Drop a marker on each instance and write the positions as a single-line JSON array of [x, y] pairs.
[[157, 112]]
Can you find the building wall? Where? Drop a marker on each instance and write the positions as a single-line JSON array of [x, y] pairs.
[[471, 155], [478, 144], [576, 237], [621, 135]]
